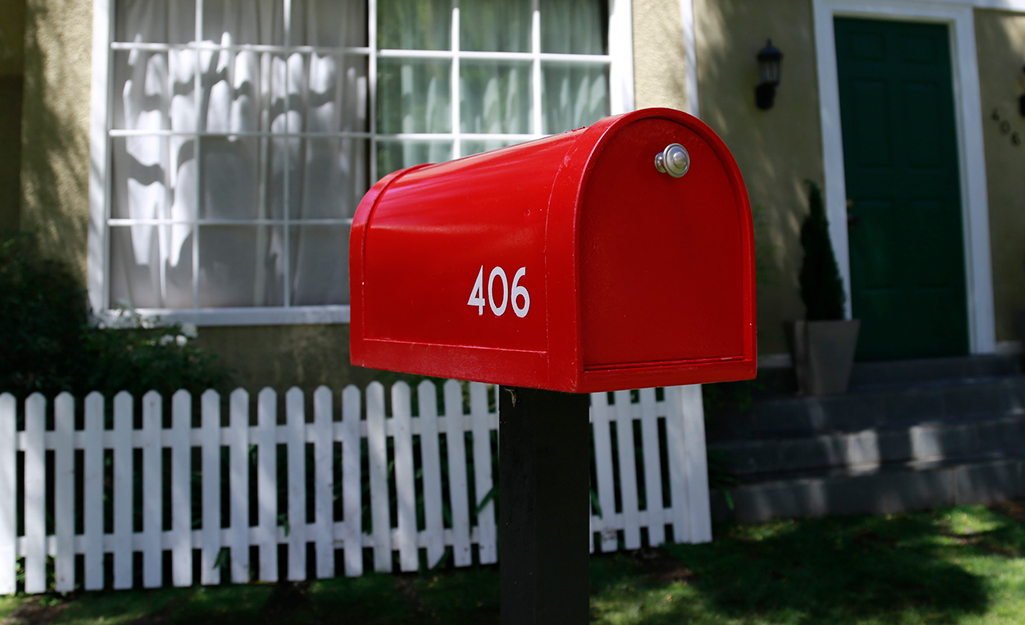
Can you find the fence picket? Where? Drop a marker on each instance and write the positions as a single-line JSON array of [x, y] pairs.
[[181, 489], [323, 482], [405, 485], [603, 468], [295, 420], [64, 492], [481, 419], [652, 468], [152, 486], [352, 496], [8, 470], [431, 466], [698, 506], [378, 450], [210, 422], [265, 438], [458, 491], [92, 491], [238, 468], [124, 524], [441, 478], [627, 470], [35, 494]]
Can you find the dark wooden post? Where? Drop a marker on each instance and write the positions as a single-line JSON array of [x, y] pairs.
[[544, 475]]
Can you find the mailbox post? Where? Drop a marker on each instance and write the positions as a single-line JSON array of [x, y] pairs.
[[615, 256]]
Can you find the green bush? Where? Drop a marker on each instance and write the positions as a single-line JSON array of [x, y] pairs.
[[49, 345], [821, 287]]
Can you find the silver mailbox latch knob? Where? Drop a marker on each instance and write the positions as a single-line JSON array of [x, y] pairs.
[[674, 160]]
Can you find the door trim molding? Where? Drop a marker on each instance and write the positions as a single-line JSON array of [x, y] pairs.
[[971, 153]]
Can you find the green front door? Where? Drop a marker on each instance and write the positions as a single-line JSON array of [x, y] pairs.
[[903, 193]]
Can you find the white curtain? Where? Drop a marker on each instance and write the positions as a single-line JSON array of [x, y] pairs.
[[231, 180], [244, 186]]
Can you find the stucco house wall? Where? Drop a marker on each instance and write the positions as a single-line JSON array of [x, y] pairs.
[[777, 150], [1001, 49]]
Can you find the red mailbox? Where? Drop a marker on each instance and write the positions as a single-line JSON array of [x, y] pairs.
[[615, 256]]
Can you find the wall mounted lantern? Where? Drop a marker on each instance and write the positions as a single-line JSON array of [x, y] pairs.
[[769, 62], [1021, 102]]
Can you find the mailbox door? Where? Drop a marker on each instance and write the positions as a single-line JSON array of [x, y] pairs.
[[666, 268]]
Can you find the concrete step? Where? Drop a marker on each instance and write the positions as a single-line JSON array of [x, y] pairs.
[[873, 406], [935, 439], [905, 371], [885, 489]]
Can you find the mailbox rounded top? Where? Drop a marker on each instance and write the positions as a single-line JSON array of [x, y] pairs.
[[614, 256]]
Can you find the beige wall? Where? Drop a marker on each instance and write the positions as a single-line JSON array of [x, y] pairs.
[[777, 150], [659, 72], [1001, 53], [12, 63], [55, 128], [285, 356]]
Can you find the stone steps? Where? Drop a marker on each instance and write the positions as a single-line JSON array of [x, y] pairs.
[[908, 435], [921, 440], [887, 489]]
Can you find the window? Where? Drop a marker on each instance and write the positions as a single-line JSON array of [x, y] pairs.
[[236, 137]]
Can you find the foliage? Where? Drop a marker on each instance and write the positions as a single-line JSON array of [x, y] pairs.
[[50, 345], [821, 287], [764, 247]]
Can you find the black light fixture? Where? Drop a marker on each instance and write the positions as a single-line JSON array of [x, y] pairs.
[[1021, 102], [769, 61]]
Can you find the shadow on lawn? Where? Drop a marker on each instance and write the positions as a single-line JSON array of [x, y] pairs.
[[818, 571]]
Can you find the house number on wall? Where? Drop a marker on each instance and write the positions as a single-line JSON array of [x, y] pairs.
[[519, 293]]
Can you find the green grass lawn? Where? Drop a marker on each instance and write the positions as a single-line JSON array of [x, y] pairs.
[[960, 565]]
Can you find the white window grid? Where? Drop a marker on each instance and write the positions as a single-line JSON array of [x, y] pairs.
[[617, 61]]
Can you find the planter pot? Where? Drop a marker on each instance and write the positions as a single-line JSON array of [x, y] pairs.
[[823, 353]]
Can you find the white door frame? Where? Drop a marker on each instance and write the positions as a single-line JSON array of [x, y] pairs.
[[971, 154]]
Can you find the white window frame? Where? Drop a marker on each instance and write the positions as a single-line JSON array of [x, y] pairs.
[[621, 100], [959, 17]]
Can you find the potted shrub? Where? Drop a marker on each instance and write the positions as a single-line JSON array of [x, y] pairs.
[[822, 345]]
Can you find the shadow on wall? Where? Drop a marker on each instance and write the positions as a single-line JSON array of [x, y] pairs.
[[55, 128]]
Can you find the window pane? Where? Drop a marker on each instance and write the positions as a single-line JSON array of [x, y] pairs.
[[233, 22], [413, 96], [243, 177], [573, 96], [495, 97], [334, 23], [488, 26], [241, 266], [151, 266], [328, 178], [476, 146], [153, 178], [155, 21], [395, 155], [320, 265], [574, 26], [414, 24], [154, 90]]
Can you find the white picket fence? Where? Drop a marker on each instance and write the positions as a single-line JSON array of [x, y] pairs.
[[99, 480]]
